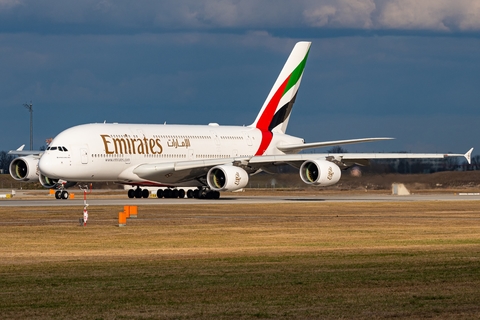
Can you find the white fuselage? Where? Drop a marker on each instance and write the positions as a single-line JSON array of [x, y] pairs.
[[109, 152]]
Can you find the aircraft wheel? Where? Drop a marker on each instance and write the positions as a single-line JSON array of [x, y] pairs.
[[196, 194], [190, 194], [145, 193], [131, 193], [64, 195], [159, 193], [138, 193], [181, 193], [209, 195], [58, 194], [216, 195], [174, 193], [167, 193]]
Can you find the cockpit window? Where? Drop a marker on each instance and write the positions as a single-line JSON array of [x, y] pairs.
[[60, 148]]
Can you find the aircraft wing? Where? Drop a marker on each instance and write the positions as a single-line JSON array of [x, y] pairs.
[[352, 158], [182, 171], [21, 152], [185, 171], [294, 148]]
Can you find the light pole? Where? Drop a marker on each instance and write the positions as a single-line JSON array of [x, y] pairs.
[[30, 109]]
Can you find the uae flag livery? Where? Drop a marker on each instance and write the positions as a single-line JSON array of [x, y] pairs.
[[276, 110]]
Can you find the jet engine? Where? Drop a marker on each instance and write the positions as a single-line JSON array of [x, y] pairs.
[[227, 178], [24, 168], [48, 182], [320, 173], [55, 183]]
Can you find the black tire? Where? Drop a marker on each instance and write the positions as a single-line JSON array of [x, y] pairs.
[[65, 195], [159, 193], [167, 193], [196, 194], [145, 193], [138, 193], [209, 195], [216, 195], [58, 194], [131, 193], [174, 193], [190, 194], [181, 193]]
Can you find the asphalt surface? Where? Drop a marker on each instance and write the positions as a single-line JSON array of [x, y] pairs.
[[43, 200]]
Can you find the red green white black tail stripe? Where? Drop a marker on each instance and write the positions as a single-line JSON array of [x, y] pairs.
[[275, 113]]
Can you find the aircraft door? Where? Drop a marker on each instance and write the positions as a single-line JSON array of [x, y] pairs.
[[247, 137], [84, 155], [215, 136]]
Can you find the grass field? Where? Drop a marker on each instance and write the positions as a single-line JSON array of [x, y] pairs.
[[300, 260]]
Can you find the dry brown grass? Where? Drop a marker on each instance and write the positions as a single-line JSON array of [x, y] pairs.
[[300, 260]]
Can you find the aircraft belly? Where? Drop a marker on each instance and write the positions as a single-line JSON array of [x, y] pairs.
[[168, 175]]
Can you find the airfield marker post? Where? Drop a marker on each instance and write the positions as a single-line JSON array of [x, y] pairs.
[[122, 219], [133, 211], [85, 204]]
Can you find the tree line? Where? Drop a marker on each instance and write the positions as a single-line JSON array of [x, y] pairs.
[[5, 160]]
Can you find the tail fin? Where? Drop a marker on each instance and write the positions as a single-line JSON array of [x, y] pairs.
[[275, 113]]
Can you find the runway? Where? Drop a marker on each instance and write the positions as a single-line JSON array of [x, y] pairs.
[[232, 199]]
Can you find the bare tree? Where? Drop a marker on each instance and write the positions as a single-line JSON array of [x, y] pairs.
[[337, 149], [475, 164], [5, 160]]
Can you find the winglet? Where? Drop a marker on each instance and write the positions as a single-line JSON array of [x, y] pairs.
[[21, 148], [468, 156]]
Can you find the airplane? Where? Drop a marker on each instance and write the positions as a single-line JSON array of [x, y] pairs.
[[209, 158]]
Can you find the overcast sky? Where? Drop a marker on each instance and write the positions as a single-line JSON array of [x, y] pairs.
[[406, 69]]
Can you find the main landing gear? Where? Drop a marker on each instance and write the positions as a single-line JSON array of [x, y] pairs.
[[138, 193], [200, 193]]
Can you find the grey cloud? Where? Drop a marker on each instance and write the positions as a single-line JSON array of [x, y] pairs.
[[441, 15], [342, 13], [121, 16]]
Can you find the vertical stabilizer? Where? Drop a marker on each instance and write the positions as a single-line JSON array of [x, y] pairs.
[[275, 112]]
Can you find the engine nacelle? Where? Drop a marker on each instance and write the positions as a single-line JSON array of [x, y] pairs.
[[320, 173], [48, 182], [55, 183], [227, 178], [24, 168]]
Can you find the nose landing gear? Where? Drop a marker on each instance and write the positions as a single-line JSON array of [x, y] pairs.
[[61, 194]]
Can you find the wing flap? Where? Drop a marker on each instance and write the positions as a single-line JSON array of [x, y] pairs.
[[302, 146]]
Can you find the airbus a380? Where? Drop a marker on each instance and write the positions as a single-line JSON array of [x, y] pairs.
[[211, 158]]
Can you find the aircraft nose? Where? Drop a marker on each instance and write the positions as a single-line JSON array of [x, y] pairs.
[[46, 165]]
